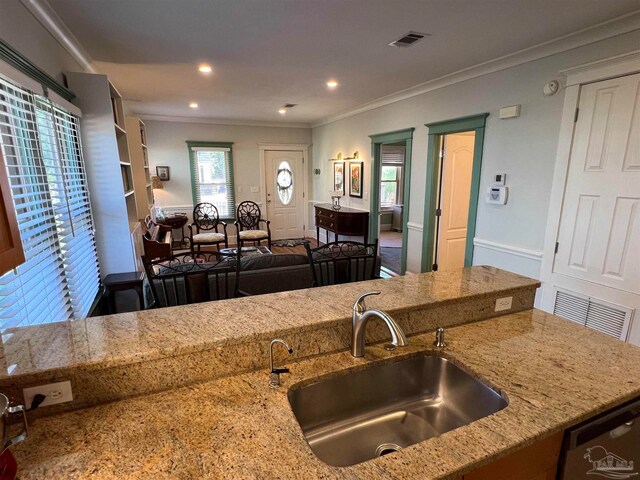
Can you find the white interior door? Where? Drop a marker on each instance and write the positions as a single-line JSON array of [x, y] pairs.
[[285, 194], [456, 192], [599, 233]]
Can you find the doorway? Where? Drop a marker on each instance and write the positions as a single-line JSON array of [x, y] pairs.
[[284, 180], [454, 159], [391, 172], [454, 193]]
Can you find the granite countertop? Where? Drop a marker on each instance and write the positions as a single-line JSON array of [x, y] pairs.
[[128, 338], [554, 373]]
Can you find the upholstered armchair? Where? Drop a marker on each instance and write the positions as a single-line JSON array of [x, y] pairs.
[[250, 226], [204, 230]]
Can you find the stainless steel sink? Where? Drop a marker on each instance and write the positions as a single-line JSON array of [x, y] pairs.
[[359, 414]]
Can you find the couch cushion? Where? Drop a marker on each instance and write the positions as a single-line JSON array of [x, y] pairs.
[[251, 234], [260, 262], [208, 237]]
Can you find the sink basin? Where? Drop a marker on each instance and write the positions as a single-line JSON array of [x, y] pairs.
[[359, 414]]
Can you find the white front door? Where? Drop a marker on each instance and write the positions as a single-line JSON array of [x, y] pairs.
[[285, 197], [457, 169], [599, 234]]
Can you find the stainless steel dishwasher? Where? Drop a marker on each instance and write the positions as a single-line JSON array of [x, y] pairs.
[[606, 446]]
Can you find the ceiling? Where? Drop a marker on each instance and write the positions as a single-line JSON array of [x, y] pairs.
[[266, 53]]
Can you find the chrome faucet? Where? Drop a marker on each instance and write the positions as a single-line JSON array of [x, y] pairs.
[[361, 317], [274, 376]]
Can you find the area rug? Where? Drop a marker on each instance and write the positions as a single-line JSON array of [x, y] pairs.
[[289, 242], [390, 258]]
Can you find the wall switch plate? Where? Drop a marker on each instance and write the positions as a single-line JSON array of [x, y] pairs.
[[503, 303], [55, 393]]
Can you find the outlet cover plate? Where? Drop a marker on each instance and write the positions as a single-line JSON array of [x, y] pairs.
[[503, 303], [55, 392]]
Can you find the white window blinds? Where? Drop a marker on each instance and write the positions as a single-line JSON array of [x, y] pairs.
[[59, 279], [212, 176]]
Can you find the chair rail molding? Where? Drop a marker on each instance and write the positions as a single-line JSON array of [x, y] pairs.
[[510, 249]]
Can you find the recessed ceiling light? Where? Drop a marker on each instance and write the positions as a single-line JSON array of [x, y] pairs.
[[193, 105], [204, 68], [282, 111], [332, 84]]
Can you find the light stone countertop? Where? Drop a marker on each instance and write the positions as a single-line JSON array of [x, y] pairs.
[[128, 338], [555, 374]]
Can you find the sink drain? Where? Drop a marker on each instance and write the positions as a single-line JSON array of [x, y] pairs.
[[386, 449]]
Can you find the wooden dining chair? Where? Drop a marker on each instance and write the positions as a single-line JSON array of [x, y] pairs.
[[248, 225], [343, 262], [193, 278], [204, 230]]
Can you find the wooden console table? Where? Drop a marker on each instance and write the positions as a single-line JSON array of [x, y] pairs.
[[346, 221]]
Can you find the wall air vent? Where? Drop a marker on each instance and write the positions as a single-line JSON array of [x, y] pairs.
[[593, 313], [408, 39]]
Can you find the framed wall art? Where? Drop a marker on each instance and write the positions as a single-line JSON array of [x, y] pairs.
[[163, 173], [338, 177], [355, 179]]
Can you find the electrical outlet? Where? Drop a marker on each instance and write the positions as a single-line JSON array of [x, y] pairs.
[[503, 303], [55, 393]]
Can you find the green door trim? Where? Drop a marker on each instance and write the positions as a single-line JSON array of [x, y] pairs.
[[194, 172], [377, 141], [437, 130]]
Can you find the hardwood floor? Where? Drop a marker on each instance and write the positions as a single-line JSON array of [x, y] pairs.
[[296, 249]]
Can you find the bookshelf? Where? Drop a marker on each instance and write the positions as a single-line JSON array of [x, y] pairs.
[[139, 155], [110, 173]]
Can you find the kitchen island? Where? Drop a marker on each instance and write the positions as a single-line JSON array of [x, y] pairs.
[[553, 373]]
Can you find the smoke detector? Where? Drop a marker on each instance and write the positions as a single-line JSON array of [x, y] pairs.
[[408, 39]]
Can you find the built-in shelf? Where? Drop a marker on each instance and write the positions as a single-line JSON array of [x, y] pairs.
[[140, 169], [113, 194]]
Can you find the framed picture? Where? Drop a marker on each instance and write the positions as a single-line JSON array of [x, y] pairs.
[[355, 179], [338, 177], [163, 173]]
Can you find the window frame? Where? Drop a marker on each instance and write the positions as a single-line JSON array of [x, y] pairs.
[[230, 182], [397, 181]]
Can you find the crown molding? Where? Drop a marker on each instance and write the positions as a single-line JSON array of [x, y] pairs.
[[218, 121], [601, 31], [50, 20]]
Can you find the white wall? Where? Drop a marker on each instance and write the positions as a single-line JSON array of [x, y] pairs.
[[24, 33], [166, 141], [523, 148]]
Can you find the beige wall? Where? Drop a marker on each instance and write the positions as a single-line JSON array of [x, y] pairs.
[[24, 33], [524, 148], [167, 147]]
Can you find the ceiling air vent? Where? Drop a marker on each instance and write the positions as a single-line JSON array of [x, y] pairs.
[[593, 313], [409, 39]]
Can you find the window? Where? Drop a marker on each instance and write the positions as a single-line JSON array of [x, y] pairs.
[[212, 175], [390, 184], [284, 180], [59, 279]]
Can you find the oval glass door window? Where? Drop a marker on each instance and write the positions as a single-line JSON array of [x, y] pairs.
[[284, 180]]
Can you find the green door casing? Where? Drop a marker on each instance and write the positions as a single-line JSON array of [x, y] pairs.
[[377, 141], [437, 131]]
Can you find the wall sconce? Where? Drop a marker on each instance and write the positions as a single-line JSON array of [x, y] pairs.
[[355, 156], [156, 183]]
